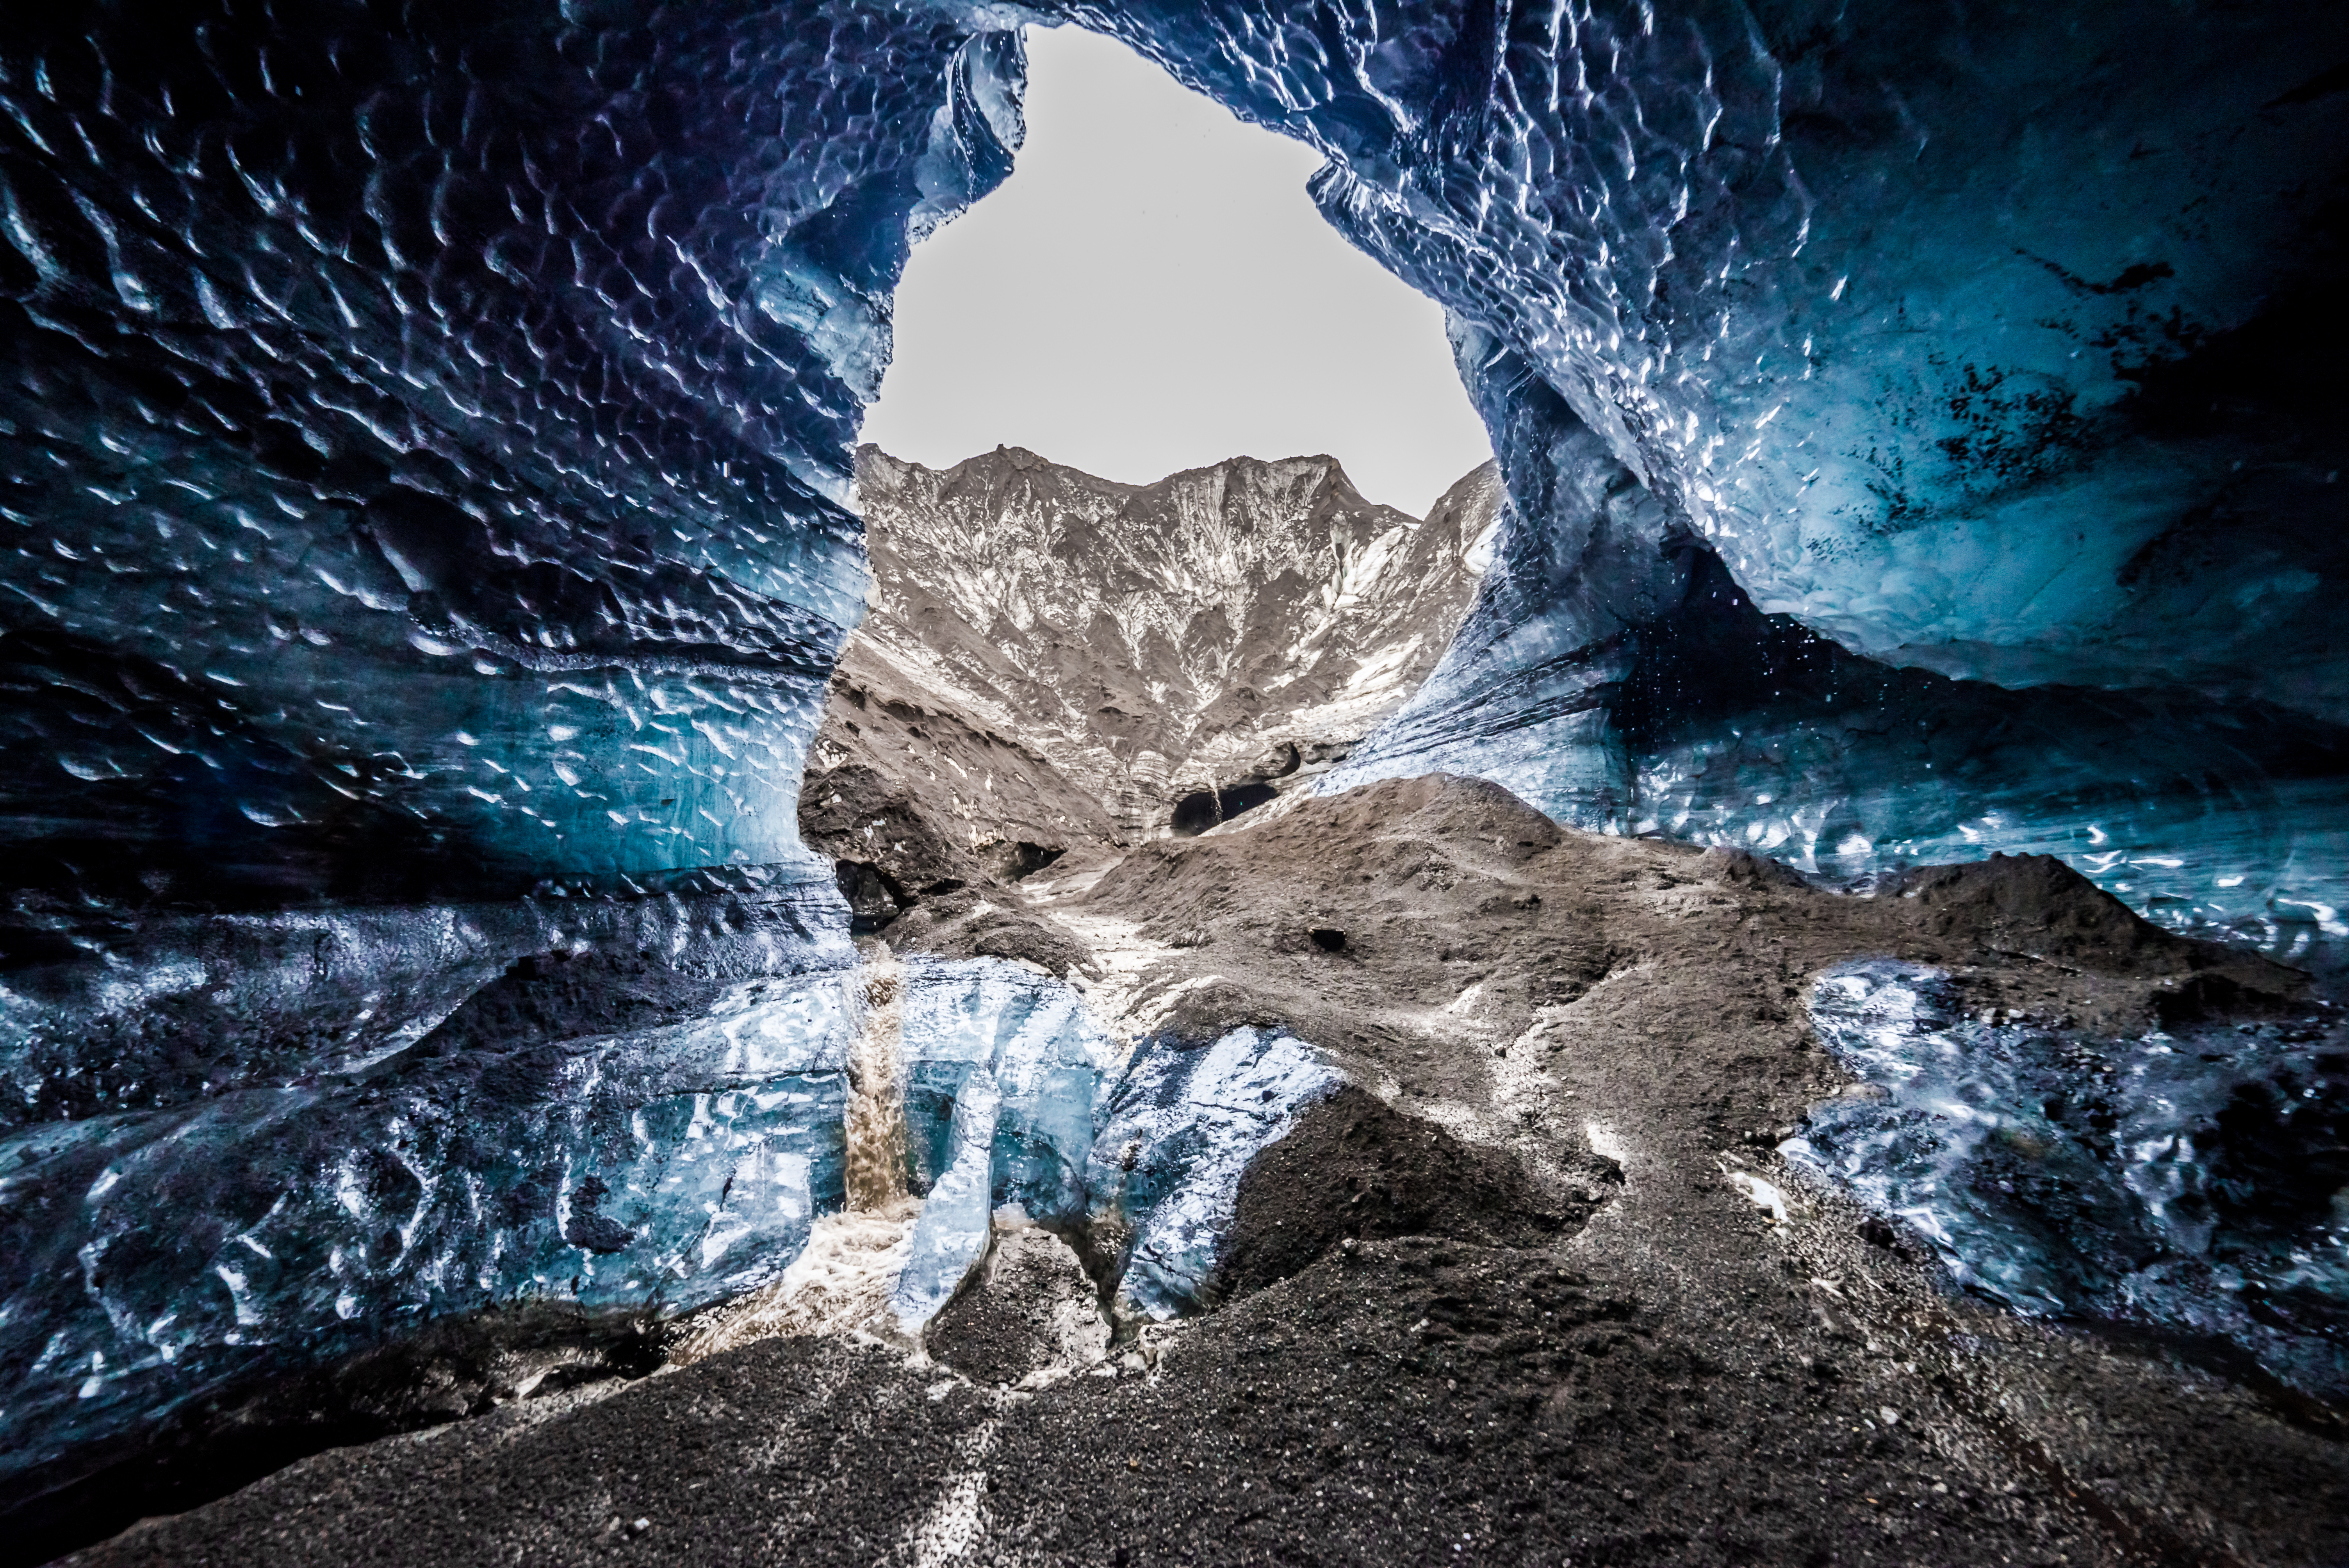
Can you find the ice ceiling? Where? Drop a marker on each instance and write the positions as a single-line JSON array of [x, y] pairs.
[[423, 434]]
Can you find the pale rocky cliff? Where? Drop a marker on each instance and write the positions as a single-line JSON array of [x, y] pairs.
[[1054, 659]]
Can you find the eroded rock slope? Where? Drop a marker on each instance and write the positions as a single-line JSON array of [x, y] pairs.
[[1054, 660]]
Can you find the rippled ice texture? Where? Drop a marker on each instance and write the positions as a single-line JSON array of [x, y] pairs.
[[2194, 1183], [423, 448], [157, 1255], [423, 432], [423, 437], [1843, 362]]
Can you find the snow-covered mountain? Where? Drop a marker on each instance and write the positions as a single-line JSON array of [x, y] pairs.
[[1053, 659]]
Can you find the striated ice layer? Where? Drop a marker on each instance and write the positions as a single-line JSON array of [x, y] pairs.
[[1177, 1134], [119, 1013], [1002, 1067], [2189, 1184], [161, 1254]]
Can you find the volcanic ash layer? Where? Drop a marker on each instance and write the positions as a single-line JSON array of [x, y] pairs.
[[1520, 1291]]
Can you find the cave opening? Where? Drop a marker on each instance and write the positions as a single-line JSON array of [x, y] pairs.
[[385, 655], [1201, 809], [1152, 289], [1195, 813]]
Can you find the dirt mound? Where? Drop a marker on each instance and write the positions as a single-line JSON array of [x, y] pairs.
[[1743, 867], [1033, 1309], [969, 925], [558, 996], [1354, 1169], [2038, 907], [857, 814]]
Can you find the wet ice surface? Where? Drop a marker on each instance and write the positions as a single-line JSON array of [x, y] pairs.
[[158, 1255], [2194, 1184], [657, 1168], [1624, 683], [423, 472], [422, 458], [1175, 1137], [1016, 1096]]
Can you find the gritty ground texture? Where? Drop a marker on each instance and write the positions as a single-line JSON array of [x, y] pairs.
[[1033, 1315], [1506, 1299]]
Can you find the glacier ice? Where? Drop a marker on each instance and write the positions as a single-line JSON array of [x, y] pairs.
[[1043, 1056], [160, 1255], [2186, 1182], [423, 444], [423, 436], [433, 444], [951, 1237], [1817, 347], [1616, 675], [1176, 1135], [508, 1152], [1003, 1068], [1017, 1098]]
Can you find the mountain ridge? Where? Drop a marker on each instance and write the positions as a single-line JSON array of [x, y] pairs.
[[1052, 658]]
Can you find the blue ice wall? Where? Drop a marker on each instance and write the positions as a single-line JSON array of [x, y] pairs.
[[423, 436], [1002, 1072], [616, 1132], [423, 439], [1985, 339], [1615, 674], [2184, 1183]]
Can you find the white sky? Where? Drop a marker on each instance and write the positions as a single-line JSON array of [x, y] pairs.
[[1152, 290]]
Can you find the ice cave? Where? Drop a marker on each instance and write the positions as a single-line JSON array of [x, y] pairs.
[[1758, 986]]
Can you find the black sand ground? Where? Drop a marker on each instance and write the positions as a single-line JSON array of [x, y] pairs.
[[1503, 1304]]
